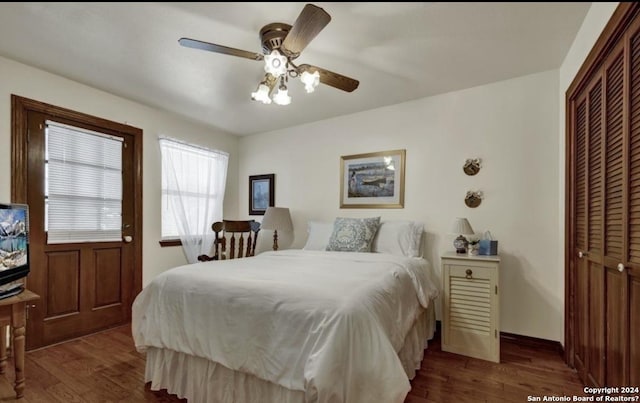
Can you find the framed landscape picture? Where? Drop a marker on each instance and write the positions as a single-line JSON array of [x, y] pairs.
[[373, 180], [261, 193]]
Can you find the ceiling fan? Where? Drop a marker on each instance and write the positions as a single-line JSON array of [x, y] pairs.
[[281, 45]]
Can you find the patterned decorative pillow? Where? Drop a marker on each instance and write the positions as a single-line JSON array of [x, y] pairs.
[[353, 234]]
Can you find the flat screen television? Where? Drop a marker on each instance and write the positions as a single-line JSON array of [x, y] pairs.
[[14, 243]]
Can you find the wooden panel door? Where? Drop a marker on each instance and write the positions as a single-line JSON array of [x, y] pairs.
[[83, 285], [88, 286]]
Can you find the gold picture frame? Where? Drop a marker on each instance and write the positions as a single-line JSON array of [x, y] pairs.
[[372, 180]]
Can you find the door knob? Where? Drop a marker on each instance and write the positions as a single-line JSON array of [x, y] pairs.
[[127, 238], [620, 267], [581, 254]]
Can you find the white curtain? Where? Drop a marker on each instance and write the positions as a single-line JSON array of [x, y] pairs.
[[193, 183]]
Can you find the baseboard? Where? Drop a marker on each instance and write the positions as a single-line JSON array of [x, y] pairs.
[[532, 342], [522, 340]]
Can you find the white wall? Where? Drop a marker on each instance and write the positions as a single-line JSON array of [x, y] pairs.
[[22, 80], [512, 125], [590, 30]]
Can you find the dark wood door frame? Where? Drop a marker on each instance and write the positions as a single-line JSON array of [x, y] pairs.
[[19, 138], [610, 36]]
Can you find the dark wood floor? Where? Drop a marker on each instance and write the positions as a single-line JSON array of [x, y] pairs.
[[523, 371], [106, 368]]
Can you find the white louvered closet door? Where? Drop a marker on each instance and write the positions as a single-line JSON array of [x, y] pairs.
[[471, 306]]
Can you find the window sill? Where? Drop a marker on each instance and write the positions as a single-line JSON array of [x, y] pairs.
[[170, 242]]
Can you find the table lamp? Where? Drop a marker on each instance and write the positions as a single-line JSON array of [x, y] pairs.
[[461, 227], [277, 219]]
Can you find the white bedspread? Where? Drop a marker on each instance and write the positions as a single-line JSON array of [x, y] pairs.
[[327, 323]]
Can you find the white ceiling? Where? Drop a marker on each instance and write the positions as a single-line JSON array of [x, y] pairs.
[[398, 52]]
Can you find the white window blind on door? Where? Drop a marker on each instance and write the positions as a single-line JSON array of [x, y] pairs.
[[83, 190]]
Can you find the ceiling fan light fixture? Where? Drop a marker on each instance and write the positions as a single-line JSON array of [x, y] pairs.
[[262, 94], [275, 63], [310, 80], [281, 46]]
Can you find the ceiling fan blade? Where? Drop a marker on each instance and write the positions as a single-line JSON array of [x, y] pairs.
[[310, 22], [225, 50], [332, 79]]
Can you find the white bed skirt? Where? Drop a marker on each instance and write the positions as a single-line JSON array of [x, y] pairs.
[[203, 381]]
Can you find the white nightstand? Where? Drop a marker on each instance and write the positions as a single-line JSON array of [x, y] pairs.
[[471, 305]]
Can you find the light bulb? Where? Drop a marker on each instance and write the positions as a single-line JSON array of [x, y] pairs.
[[275, 63], [261, 94], [282, 96], [310, 80]]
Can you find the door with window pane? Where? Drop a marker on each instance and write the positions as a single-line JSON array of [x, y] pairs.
[[83, 250]]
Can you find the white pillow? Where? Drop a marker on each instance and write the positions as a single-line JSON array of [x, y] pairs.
[[399, 237], [319, 234]]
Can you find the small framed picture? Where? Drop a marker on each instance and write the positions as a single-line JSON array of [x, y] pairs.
[[261, 193], [373, 180]]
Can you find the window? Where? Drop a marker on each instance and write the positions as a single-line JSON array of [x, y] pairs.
[[193, 183], [83, 185]]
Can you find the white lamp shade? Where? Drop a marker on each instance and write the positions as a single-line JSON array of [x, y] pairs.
[[277, 218], [275, 63], [262, 94], [310, 80], [461, 226], [282, 97]]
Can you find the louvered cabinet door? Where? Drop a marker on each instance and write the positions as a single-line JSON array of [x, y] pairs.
[[588, 223], [631, 270], [614, 281], [579, 265], [471, 306], [603, 270], [595, 193]]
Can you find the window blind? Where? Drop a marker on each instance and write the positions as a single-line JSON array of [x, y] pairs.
[[83, 191]]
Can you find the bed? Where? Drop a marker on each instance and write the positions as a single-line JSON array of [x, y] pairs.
[[291, 326]]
